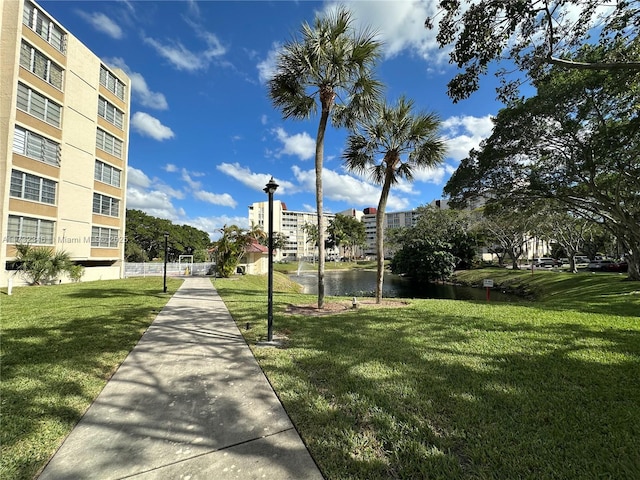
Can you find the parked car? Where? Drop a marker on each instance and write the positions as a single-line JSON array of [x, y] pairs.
[[546, 262], [618, 267], [581, 261], [600, 265]]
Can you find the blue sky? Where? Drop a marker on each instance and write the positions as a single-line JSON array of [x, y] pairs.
[[204, 137]]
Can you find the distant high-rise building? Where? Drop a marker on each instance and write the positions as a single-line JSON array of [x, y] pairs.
[[291, 225], [64, 130]]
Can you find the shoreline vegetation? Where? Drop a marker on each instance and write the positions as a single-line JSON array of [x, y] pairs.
[[430, 388]]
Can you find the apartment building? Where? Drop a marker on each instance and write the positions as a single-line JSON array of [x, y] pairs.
[[64, 129], [299, 245]]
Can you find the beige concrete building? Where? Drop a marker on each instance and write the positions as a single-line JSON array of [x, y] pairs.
[[64, 129], [291, 224]]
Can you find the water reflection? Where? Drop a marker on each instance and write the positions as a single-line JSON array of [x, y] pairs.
[[361, 283]]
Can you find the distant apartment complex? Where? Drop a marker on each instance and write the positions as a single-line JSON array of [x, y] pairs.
[[64, 129], [299, 245]]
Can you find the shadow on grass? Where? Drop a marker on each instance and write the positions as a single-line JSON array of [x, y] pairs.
[[421, 393]]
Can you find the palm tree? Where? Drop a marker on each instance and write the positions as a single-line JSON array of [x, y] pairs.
[[390, 145], [330, 65]]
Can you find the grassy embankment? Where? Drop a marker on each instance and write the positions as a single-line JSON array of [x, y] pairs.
[[60, 344], [455, 389]]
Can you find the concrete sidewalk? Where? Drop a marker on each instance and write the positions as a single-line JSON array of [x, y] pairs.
[[189, 402]]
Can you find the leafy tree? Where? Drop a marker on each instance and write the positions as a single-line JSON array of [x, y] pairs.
[[230, 248], [390, 145], [532, 34], [435, 246], [44, 264], [330, 63], [424, 259], [577, 142], [507, 231], [145, 239], [568, 231], [346, 232], [312, 233]]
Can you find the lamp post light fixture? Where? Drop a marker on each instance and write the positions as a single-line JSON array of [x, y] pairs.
[[166, 252], [270, 189]]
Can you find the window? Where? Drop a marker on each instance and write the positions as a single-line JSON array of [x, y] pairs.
[[31, 187], [105, 205], [38, 105], [110, 113], [107, 174], [35, 146], [43, 26], [37, 63], [30, 230], [109, 143], [111, 82], [104, 237]]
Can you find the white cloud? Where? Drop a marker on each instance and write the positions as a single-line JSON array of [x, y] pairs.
[[400, 26], [267, 67], [182, 58], [300, 145], [149, 126], [170, 167], [464, 133], [256, 181], [136, 177], [102, 23], [178, 55], [139, 88], [348, 189], [436, 175], [151, 196], [212, 225], [223, 199]]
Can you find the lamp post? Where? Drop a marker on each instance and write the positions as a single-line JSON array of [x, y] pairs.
[[166, 251], [270, 189]]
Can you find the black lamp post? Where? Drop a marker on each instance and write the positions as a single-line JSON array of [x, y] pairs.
[[166, 251], [270, 188]]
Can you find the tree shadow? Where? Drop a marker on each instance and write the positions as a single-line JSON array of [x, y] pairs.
[[415, 394]]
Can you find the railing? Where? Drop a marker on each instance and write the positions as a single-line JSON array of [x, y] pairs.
[[173, 269]]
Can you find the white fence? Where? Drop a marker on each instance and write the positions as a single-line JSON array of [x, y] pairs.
[[173, 269]]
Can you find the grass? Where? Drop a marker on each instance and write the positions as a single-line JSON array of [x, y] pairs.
[[435, 389], [461, 390], [60, 345]]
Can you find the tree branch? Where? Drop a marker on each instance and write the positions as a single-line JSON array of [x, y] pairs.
[[594, 66]]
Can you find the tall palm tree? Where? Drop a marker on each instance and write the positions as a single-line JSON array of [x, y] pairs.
[[330, 66], [389, 146]]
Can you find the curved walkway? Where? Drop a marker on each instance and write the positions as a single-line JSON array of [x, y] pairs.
[[189, 402]]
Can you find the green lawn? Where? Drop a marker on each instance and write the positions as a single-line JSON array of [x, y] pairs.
[[435, 389], [453, 389], [60, 344]]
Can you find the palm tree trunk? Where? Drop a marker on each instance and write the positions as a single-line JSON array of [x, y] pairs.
[[319, 203], [382, 205]]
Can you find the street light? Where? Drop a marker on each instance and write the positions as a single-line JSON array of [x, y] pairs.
[[166, 250], [270, 189]]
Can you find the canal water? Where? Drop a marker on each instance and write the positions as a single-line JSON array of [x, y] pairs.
[[362, 283]]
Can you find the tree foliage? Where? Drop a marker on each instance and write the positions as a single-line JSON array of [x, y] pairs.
[[346, 232], [145, 239], [230, 248], [328, 68], [439, 242], [44, 264], [389, 146], [577, 141], [532, 35]]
